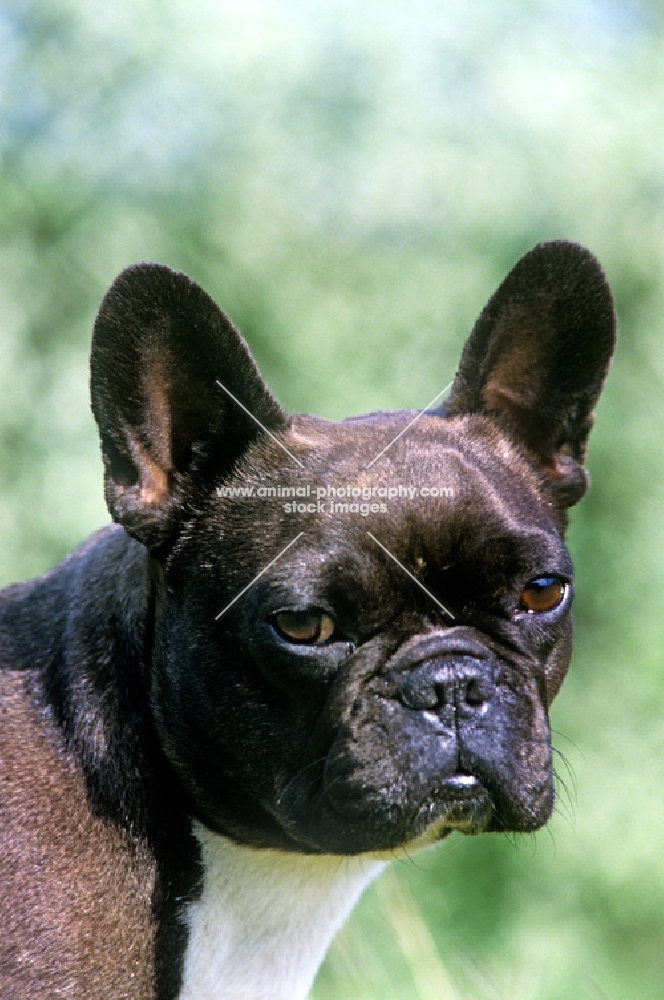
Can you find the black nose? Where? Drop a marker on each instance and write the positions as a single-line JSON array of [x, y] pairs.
[[461, 683]]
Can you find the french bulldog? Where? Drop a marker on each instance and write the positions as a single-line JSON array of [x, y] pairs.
[[303, 647]]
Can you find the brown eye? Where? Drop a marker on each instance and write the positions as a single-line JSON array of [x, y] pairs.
[[544, 593], [311, 628]]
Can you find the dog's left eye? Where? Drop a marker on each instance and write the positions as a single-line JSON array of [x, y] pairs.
[[311, 627], [544, 593]]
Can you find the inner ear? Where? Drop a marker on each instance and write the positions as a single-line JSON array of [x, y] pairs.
[[514, 364], [159, 348], [169, 425]]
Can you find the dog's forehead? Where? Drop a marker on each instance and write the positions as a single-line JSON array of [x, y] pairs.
[[406, 448], [404, 472]]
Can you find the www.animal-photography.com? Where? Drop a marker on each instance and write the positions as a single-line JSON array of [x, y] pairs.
[[330, 471]]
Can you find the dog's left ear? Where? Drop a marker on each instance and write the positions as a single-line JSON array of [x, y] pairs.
[[538, 356], [168, 431]]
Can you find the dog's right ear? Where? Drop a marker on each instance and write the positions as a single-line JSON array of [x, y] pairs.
[[160, 346]]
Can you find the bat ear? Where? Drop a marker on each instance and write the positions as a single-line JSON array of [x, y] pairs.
[[159, 348], [537, 358]]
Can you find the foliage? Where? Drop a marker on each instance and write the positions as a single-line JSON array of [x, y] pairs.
[[351, 182]]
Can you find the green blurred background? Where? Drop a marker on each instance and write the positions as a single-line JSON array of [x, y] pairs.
[[351, 182]]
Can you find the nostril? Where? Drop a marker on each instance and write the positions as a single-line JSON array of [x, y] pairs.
[[418, 693], [444, 684], [474, 693]]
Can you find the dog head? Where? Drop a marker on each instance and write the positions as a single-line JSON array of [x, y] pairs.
[[359, 626]]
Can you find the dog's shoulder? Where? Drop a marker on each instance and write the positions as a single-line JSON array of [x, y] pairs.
[[85, 888]]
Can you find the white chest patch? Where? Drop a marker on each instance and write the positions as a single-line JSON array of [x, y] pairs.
[[265, 919]]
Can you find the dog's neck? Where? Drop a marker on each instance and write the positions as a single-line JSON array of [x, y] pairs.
[[265, 919]]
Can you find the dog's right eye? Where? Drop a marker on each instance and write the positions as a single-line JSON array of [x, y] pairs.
[[311, 627]]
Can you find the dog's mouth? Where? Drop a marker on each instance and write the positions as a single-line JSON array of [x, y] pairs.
[[464, 789], [469, 806], [396, 778], [462, 805], [340, 819], [378, 804]]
